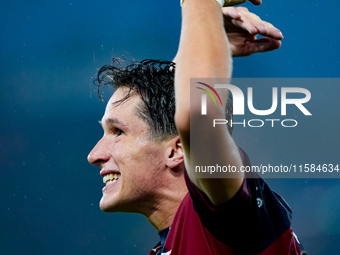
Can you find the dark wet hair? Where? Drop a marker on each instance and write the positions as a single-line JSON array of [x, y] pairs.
[[153, 80]]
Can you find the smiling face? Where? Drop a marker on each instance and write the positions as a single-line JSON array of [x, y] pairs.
[[132, 165]]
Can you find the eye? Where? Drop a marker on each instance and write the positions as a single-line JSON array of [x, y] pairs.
[[119, 132]]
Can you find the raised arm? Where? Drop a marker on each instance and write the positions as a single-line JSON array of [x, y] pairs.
[[204, 52], [210, 36]]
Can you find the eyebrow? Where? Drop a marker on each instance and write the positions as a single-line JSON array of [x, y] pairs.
[[113, 121]]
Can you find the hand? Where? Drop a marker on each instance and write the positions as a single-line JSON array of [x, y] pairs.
[[236, 2], [242, 28]]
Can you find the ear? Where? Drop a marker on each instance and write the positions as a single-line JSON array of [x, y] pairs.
[[175, 153]]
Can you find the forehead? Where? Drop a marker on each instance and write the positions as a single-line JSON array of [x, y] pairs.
[[125, 110]]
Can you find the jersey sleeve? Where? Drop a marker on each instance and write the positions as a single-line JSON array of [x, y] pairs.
[[255, 216]]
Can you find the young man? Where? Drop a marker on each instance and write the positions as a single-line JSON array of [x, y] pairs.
[[145, 155]]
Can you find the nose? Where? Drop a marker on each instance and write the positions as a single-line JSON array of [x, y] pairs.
[[99, 154]]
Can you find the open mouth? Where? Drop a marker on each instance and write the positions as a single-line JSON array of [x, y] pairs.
[[110, 178]]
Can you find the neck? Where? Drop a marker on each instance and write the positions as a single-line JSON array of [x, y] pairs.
[[164, 214]]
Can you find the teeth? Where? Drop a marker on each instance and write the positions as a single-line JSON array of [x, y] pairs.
[[110, 178], [110, 182]]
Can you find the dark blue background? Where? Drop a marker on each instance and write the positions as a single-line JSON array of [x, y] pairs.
[[50, 52]]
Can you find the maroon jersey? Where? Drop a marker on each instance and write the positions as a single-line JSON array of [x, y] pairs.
[[255, 221]]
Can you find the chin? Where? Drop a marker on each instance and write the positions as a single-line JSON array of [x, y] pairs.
[[110, 206], [106, 206]]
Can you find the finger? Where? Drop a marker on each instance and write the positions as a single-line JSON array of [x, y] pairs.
[[256, 2], [231, 13], [262, 45], [258, 23], [273, 32], [263, 27], [255, 20], [246, 26], [235, 2]]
